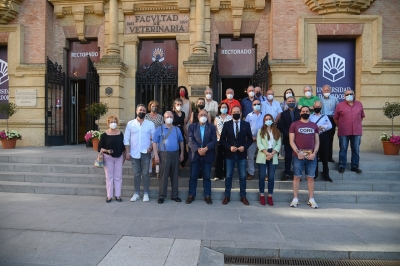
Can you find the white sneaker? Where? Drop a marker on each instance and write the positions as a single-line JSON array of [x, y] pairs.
[[135, 197], [313, 204], [294, 203], [146, 197]]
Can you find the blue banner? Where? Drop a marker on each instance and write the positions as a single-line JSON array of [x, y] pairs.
[[336, 66], [3, 76]]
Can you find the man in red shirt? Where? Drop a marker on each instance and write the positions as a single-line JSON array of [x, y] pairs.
[[230, 101], [348, 118]]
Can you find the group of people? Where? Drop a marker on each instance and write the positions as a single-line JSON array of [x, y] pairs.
[[233, 133]]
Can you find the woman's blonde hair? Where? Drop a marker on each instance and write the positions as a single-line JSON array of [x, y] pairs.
[[110, 118]]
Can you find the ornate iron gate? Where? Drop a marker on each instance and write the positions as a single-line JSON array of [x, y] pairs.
[[215, 79], [55, 122], [156, 82], [260, 77], [92, 93]]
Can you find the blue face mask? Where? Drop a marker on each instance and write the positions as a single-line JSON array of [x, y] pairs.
[[224, 110], [268, 123], [257, 107]]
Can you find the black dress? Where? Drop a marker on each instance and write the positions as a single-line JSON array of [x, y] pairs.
[[179, 121]]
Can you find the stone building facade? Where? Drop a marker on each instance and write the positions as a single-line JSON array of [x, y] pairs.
[[121, 30]]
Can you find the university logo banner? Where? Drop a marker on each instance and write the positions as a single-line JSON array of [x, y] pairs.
[[3, 76], [336, 67]]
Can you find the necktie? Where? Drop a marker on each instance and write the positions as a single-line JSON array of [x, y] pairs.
[[237, 129]]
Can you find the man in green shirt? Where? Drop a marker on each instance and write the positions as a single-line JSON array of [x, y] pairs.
[[308, 99]]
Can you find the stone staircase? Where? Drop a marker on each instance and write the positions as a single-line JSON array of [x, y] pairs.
[[75, 175]]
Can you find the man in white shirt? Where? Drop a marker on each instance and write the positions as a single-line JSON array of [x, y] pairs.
[[211, 106], [271, 106], [137, 141]]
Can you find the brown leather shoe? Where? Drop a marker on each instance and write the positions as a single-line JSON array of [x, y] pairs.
[[208, 200], [190, 199], [250, 177], [244, 200], [226, 200]]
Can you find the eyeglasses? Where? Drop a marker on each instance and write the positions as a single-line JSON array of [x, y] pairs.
[[349, 94]]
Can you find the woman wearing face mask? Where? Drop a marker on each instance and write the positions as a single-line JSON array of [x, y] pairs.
[[157, 120], [179, 121], [111, 145], [201, 103], [186, 104], [287, 93], [269, 144], [220, 119]]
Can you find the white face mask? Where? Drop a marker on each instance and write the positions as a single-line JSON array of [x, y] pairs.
[[178, 108], [270, 97], [326, 94], [308, 93], [208, 96], [229, 96], [113, 125], [251, 94], [203, 119], [288, 95], [168, 121], [349, 98], [268, 123]]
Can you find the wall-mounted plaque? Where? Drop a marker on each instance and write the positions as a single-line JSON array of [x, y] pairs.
[[157, 23], [26, 97]]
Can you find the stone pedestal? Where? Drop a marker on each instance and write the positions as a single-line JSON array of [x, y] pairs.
[[198, 68]]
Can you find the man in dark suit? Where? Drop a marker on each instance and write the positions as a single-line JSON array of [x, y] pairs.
[[236, 138], [289, 116], [202, 143]]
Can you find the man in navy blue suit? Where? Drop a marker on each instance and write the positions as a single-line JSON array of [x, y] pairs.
[[202, 143], [236, 138]]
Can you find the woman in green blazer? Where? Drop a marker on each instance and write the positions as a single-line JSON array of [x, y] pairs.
[[269, 144]]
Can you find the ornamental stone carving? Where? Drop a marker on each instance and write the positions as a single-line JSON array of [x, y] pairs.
[[9, 9], [338, 6]]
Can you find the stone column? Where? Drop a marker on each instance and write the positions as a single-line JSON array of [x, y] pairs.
[[200, 46], [113, 47]]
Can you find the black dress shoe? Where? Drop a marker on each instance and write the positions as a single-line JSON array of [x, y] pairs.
[[244, 200], [208, 200], [331, 161], [160, 200], [226, 200], [108, 200], [356, 169], [328, 179], [341, 170], [190, 199], [118, 199], [315, 177], [177, 199]]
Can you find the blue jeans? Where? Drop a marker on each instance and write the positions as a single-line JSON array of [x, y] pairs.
[[141, 172], [241, 166], [195, 168], [271, 176], [355, 141], [309, 166]]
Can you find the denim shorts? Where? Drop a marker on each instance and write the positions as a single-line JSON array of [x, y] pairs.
[[308, 165]]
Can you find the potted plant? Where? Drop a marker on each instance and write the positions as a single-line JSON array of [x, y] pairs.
[[93, 136], [8, 137], [390, 142], [97, 110]]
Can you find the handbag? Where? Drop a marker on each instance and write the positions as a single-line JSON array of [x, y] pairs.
[[99, 161]]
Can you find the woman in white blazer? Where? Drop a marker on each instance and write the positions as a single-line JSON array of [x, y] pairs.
[[269, 144]]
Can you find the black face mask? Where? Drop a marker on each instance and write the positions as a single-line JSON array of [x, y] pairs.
[[305, 116], [200, 106], [258, 94], [317, 110], [236, 116], [141, 115]]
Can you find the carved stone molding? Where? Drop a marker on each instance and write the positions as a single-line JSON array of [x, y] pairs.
[[84, 13], [257, 5], [130, 7], [338, 6], [9, 9]]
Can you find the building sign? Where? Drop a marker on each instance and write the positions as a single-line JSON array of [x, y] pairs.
[[236, 57], [77, 57], [165, 51], [3, 76], [336, 67], [26, 97], [157, 23]]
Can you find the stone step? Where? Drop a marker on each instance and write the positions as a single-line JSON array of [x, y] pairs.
[[127, 180], [217, 193]]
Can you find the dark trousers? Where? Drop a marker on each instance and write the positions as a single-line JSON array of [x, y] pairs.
[[185, 153], [169, 166], [220, 170], [323, 153], [331, 134], [288, 159]]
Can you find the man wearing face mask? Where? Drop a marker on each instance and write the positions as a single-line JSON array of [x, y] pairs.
[[230, 101], [200, 106], [288, 116], [324, 126], [247, 102], [167, 142], [236, 138], [137, 141], [304, 139], [255, 119], [329, 104], [348, 117], [257, 91], [211, 106], [271, 106], [308, 99], [202, 143]]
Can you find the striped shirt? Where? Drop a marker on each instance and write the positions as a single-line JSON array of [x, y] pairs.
[[329, 105], [219, 123]]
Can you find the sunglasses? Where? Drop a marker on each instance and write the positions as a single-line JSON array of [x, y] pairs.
[[348, 94], [256, 104]]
